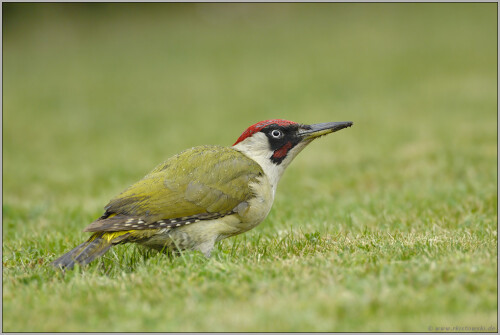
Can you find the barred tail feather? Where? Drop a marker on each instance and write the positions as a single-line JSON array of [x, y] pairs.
[[84, 253]]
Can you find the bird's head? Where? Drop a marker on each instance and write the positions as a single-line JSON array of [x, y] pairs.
[[275, 143]]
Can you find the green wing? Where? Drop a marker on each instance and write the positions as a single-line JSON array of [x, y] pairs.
[[201, 183]]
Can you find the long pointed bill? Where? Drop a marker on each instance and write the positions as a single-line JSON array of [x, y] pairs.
[[316, 130]]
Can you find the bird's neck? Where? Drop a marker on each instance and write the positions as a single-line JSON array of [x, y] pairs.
[[257, 148]]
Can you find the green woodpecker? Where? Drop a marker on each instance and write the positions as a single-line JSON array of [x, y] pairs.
[[202, 195]]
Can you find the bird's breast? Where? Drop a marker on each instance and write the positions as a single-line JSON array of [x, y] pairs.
[[255, 210]]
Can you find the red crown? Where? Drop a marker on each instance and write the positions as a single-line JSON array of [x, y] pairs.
[[259, 125]]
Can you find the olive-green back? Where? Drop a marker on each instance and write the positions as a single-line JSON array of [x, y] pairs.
[[204, 179]]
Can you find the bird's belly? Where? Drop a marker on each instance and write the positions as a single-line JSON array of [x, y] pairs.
[[190, 236], [200, 236], [207, 231]]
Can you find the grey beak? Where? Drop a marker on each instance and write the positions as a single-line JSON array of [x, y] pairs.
[[320, 129]]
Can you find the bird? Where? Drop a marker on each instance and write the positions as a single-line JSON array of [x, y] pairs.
[[201, 195]]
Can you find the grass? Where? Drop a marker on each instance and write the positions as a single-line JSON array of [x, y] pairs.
[[390, 225]]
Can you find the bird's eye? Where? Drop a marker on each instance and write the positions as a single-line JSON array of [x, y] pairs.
[[276, 133]]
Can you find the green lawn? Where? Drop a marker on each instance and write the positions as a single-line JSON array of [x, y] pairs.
[[390, 225]]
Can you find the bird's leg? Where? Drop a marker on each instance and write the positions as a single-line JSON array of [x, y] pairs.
[[206, 247]]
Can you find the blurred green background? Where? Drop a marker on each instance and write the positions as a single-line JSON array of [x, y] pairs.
[[96, 95]]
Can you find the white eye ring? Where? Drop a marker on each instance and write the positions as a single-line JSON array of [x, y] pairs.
[[276, 133]]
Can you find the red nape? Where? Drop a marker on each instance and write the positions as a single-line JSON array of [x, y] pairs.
[[258, 127]]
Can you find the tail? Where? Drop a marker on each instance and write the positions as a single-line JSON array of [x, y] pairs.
[[94, 247]]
